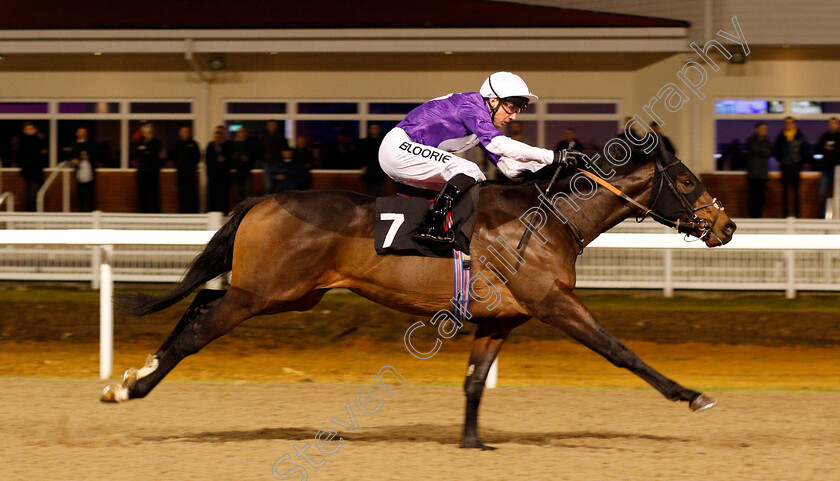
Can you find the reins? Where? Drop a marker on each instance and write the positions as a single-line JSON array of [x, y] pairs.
[[702, 225]]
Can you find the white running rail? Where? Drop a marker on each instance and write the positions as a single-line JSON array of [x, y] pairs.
[[105, 240], [65, 168]]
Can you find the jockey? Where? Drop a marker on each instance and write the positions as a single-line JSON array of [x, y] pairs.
[[418, 151]]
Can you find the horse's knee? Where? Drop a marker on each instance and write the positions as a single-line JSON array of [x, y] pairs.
[[473, 386]]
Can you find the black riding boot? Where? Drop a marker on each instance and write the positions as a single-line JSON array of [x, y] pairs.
[[432, 230]]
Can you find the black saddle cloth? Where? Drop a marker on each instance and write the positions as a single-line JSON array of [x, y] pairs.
[[398, 217]]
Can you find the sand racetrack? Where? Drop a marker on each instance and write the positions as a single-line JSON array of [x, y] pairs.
[[55, 429], [561, 411]]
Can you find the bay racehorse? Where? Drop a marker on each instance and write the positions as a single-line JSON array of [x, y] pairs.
[[285, 251]]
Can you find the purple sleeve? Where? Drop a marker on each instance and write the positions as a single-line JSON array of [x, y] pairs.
[[490, 155], [476, 117]]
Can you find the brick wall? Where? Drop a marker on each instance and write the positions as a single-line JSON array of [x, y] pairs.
[[731, 189], [116, 191]]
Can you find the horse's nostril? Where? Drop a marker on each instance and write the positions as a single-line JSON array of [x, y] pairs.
[[729, 228]]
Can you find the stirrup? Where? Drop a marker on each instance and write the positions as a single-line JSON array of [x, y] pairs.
[[430, 235]]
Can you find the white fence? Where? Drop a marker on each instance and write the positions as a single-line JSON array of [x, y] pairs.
[[104, 241], [132, 263], [599, 267], [783, 268]]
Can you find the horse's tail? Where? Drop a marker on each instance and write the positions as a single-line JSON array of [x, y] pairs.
[[215, 260]]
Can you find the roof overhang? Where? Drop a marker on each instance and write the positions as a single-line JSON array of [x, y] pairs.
[[374, 40]]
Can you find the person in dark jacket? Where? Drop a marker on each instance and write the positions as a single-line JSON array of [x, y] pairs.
[[758, 154], [272, 145], [372, 174], [290, 173], [146, 152], [243, 157], [341, 154], [666, 142], [829, 147], [569, 136], [82, 154], [791, 150], [32, 159], [186, 155], [218, 164]]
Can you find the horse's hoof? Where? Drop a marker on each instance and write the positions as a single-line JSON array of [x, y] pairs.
[[114, 393], [476, 444], [701, 403]]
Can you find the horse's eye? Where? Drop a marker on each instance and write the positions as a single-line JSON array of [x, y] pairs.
[[687, 182]]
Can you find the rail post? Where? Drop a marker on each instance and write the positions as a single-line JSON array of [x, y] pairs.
[[836, 195], [214, 223], [96, 252], [492, 375], [106, 313], [668, 289], [790, 260]]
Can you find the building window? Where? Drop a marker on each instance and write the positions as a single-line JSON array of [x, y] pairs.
[[735, 120], [327, 125], [24, 107], [256, 107], [89, 107], [161, 107], [104, 135]]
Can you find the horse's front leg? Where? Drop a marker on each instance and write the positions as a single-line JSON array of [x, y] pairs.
[[489, 337], [563, 309]]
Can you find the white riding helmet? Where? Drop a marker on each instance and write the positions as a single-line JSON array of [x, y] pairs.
[[504, 85]]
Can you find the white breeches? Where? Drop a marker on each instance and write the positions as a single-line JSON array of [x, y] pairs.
[[422, 166]]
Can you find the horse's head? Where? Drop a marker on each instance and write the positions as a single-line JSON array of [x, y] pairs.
[[678, 199]]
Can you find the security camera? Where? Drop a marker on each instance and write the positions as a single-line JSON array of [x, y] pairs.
[[216, 63], [738, 58]]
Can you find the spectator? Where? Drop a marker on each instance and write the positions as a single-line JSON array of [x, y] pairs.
[[290, 174], [666, 142], [146, 151], [516, 132], [243, 157], [272, 144], [791, 150], [82, 156], [372, 174], [186, 154], [758, 155], [218, 164], [341, 154], [633, 132], [32, 159], [569, 136], [732, 158], [303, 153], [829, 147]]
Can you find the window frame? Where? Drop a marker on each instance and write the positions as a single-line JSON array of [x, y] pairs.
[[53, 116]]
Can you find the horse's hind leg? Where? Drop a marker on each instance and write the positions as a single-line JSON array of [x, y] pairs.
[[487, 343], [211, 315], [562, 308]]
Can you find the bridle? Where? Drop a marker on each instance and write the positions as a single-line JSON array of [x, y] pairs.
[[702, 226], [664, 175]]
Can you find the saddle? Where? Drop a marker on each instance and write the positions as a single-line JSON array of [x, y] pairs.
[[398, 217]]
